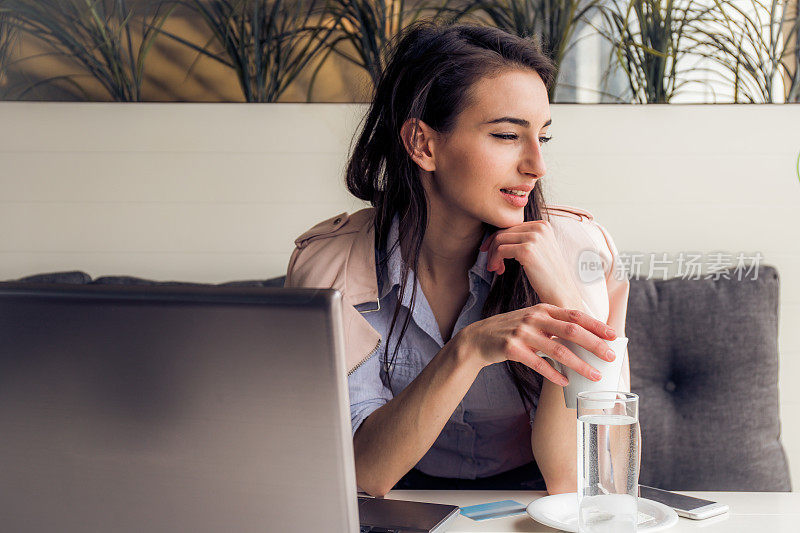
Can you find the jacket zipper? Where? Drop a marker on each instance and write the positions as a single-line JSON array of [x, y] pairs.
[[370, 354]]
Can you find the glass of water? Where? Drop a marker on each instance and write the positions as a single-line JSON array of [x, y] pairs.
[[608, 461]]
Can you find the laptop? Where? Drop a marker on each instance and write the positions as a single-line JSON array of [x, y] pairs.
[[202, 408]]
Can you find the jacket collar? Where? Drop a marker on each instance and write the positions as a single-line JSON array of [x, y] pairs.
[[360, 279]]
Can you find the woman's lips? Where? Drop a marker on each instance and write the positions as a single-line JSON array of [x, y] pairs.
[[516, 201]]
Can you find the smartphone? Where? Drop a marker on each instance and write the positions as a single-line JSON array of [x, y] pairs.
[[685, 506]]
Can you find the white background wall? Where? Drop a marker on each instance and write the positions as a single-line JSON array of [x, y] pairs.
[[216, 192]]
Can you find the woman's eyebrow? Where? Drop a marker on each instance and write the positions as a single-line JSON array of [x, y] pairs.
[[518, 121]]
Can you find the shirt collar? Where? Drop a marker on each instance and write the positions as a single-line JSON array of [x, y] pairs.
[[394, 266]]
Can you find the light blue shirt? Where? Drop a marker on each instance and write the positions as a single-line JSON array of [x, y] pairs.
[[490, 430]]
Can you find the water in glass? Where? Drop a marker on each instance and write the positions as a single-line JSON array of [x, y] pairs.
[[608, 473]]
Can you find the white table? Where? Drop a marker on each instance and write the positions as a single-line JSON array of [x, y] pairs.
[[758, 512]]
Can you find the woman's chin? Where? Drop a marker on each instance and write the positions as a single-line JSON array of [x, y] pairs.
[[508, 220]]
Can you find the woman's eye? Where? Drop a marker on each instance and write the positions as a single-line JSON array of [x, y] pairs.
[[514, 136], [506, 136]]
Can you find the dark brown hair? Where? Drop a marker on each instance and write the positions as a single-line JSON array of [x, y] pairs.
[[430, 70]]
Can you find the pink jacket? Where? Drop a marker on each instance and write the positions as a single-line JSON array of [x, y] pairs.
[[339, 253]]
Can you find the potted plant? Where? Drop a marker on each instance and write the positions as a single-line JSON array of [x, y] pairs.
[[753, 47], [366, 27], [266, 42], [8, 41], [98, 37], [650, 39]]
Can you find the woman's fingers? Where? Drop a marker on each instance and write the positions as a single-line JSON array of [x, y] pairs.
[[564, 355], [503, 251], [524, 228], [511, 244], [579, 335], [517, 351], [601, 329], [530, 329]]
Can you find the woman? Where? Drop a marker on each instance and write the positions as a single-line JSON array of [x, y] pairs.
[[459, 273]]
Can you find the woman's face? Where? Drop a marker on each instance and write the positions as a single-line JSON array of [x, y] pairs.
[[487, 166]]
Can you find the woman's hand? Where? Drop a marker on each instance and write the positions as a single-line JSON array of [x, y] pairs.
[[533, 244], [517, 335]]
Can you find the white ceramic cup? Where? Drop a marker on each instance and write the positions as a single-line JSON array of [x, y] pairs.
[[610, 371]]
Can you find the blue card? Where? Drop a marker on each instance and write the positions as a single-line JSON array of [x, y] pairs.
[[485, 511]]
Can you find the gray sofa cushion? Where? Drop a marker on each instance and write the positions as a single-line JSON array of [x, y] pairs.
[[82, 278], [74, 277], [704, 360]]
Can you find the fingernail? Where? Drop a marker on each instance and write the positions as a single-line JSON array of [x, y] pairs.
[[564, 381], [611, 355], [610, 332], [595, 375]]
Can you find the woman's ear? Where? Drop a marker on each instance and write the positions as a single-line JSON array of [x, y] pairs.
[[418, 139]]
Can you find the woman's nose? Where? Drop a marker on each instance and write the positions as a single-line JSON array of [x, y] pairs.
[[533, 160]]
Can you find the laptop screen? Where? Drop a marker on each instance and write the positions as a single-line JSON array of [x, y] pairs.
[[173, 409]]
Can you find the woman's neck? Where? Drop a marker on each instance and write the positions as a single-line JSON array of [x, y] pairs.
[[449, 248]]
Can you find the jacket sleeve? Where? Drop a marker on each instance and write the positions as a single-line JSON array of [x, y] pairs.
[[366, 389], [321, 264], [287, 282]]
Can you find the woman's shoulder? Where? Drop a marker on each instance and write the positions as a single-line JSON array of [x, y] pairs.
[[336, 226], [578, 230], [574, 219], [568, 211], [334, 253]]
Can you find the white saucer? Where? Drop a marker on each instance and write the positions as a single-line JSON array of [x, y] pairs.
[[561, 512]]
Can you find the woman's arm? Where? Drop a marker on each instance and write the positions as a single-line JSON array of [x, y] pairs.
[[398, 434], [554, 440], [554, 434], [554, 431]]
